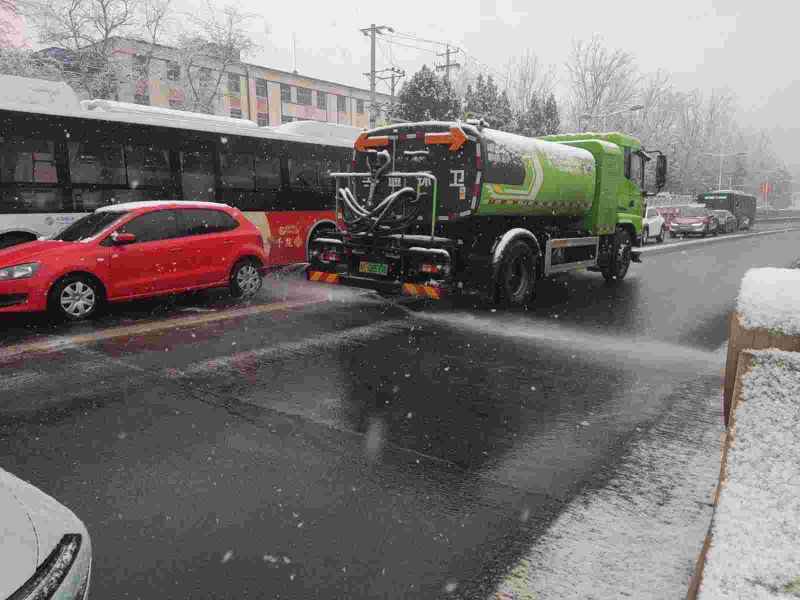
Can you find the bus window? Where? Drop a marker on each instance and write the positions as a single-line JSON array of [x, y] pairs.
[[88, 200], [27, 161], [197, 175], [30, 200], [304, 173], [237, 171], [148, 166], [96, 163], [268, 172]]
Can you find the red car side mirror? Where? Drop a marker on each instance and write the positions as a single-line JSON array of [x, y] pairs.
[[122, 238]]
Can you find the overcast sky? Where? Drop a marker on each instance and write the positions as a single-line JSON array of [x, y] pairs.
[[747, 46]]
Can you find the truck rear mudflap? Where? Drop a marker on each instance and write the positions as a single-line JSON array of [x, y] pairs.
[[408, 265]]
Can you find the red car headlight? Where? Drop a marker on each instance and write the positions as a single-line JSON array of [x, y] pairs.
[[19, 271]]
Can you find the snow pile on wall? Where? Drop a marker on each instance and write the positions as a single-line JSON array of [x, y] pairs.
[[26, 94], [755, 549], [770, 299]]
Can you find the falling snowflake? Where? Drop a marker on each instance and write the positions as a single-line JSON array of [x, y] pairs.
[[228, 555], [451, 587]]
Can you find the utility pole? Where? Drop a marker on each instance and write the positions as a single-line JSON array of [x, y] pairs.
[[448, 64], [394, 75], [372, 31]]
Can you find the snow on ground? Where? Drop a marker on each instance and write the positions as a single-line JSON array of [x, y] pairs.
[[640, 535], [770, 298], [755, 548]]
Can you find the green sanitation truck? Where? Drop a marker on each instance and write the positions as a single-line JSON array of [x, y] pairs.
[[436, 207]]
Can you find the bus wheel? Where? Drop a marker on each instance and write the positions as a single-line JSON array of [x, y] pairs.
[[75, 297], [245, 278], [620, 259], [517, 274]]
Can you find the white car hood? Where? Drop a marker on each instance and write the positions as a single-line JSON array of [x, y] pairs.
[[31, 525]]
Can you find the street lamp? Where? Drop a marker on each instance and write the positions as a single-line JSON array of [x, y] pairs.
[[633, 108], [722, 156]]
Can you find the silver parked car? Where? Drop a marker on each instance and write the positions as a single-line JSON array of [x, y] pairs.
[[45, 551]]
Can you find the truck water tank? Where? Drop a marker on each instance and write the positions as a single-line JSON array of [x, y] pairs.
[[528, 176]]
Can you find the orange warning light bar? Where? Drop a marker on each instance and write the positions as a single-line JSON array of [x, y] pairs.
[[364, 141], [455, 138]]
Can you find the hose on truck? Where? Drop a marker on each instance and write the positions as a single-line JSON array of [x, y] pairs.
[[369, 219]]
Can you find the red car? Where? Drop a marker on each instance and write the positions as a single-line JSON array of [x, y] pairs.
[[135, 250], [694, 220]]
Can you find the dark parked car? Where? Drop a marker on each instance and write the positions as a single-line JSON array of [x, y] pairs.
[[726, 221]]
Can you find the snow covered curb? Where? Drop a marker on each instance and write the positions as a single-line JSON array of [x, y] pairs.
[[770, 299], [755, 538], [767, 316]]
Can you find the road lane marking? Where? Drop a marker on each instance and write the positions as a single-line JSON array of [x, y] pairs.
[[289, 349], [68, 342], [675, 246]]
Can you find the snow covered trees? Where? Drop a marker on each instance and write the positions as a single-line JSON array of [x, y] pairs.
[[426, 96]]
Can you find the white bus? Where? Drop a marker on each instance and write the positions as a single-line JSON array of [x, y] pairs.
[[61, 158]]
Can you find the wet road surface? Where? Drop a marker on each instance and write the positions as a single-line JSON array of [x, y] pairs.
[[324, 443]]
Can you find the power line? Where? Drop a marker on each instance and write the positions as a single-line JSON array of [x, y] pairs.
[[396, 43]]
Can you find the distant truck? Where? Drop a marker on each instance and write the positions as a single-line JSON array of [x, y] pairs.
[[743, 206], [434, 207]]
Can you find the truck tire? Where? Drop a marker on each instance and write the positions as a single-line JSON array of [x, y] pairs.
[[645, 236], [516, 277], [620, 258], [660, 238]]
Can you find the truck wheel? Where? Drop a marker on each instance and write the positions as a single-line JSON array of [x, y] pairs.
[[620, 259], [517, 275], [660, 238], [645, 236]]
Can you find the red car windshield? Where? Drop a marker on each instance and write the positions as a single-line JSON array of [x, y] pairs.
[[89, 226], [691, 211]]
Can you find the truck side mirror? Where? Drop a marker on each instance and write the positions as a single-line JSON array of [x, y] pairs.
[[661, 171]]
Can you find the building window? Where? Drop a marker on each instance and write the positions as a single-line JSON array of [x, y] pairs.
[[234, 84], [286, 93], [142, 98], [173, 70], [341, 103], [360, 107], [322, 100], [236, 113], [287, 119], [304, 96], [139, 67], [263, 119], [261, 88]]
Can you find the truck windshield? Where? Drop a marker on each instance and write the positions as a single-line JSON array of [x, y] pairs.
[[89, 226]]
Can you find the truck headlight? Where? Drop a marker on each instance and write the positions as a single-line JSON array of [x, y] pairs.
[[19, 271]]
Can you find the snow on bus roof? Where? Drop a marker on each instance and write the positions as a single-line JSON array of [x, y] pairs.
[[46, 97], [126, 206]]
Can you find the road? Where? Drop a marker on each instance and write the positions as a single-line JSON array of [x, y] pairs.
[[325, 443]]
